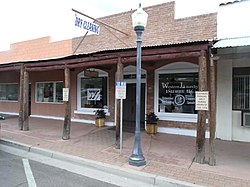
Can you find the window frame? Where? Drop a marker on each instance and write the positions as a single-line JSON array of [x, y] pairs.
[[173, 69], [54, 92], [11, 101], [239, 72], [90, 111]]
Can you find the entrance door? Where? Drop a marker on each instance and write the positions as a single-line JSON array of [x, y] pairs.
[[129, 108]]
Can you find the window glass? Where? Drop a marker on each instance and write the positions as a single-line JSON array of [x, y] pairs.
[[59, 93], [93, 92], [177, 93], [9, 92], [49, 92], [241, 88]]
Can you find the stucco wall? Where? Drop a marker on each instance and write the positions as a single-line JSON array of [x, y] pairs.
[[9, 106], [229, 120]]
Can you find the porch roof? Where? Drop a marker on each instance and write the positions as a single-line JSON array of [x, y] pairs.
[[108, 57], [233, 42]]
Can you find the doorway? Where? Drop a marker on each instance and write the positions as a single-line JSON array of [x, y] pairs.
[[129, 108]]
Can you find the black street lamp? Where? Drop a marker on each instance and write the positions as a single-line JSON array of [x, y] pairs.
[[139, 19]]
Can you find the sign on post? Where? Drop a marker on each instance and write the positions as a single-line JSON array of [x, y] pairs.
[[201, 100], [120, 90]]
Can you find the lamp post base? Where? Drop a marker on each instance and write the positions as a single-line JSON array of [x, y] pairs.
[[134, 160]]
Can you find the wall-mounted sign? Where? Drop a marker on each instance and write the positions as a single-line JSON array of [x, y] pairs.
[[86, 25], [201, 100], [65, 94], [94, 94], [90, 73]]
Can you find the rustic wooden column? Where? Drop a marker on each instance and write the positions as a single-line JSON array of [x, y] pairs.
[[26, 101], [119, 78], [20, 118], [212, 118], [67, 116], [150, 90], [201, 129]]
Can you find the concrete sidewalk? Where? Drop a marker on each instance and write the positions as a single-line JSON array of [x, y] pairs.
[[166, 155]]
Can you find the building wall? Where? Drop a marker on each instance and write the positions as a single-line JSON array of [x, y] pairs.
[[162, 28], [45, 109], [233, 20], [40, 48], [229, 120], [9, 106]]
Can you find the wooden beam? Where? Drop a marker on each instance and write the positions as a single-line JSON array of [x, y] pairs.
[[193, 50], [21, 83], [26, 101], [201, 129], [67, 116], [163, 57], [119, 78], [212, 118], [77, 65], [9, 68]]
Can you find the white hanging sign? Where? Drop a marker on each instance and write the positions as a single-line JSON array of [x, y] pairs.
[[86, 25]]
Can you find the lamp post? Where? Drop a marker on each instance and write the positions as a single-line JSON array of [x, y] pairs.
[[139, 19]]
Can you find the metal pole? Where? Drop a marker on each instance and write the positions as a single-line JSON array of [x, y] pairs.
[[137, 158], [121, 127]]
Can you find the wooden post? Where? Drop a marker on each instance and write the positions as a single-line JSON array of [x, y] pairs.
[[67, 117], [20, 118], [119, 78], [201, 129], [26, 101], [212, 120]]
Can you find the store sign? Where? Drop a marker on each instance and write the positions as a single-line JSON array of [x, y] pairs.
[[201, 98], [86, 25], [94, 94]]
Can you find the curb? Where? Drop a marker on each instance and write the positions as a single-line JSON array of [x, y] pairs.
[[146, 178]]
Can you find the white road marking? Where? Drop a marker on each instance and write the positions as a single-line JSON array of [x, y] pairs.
[[29, 174]]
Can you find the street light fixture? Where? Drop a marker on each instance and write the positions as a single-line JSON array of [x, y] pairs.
[[139, 19]]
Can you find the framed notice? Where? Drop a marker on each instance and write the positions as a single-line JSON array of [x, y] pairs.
[[65, 94], [201, 100]]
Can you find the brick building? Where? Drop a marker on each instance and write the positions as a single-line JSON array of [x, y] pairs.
[[173, 52]]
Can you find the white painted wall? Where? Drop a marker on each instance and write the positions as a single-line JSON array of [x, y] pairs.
[[228, 120], [233, 20], [224, 100]]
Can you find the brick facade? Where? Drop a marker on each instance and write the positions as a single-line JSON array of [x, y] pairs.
[[162, 28]]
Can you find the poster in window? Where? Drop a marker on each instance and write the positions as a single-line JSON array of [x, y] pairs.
[[93, 94], [177, 93]]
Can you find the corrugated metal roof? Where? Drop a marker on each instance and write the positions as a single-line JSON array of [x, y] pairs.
[[146, 46], [232, 42], [107, 50]]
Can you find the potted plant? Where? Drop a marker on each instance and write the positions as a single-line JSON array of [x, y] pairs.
[[151, 123], [100, 117]]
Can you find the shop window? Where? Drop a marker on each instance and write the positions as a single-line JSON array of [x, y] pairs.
[[241, 88], [176, 92], [9, 92], [93, 92], [49, 92]]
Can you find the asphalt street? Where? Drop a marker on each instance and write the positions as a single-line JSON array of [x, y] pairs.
[[17, 171]]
